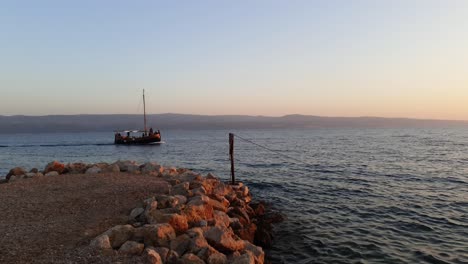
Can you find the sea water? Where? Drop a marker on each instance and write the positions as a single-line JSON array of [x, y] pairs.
[[349, 195]]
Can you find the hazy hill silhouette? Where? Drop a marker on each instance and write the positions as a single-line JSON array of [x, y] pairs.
[[91, 123]]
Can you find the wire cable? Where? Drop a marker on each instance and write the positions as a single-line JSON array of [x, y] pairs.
[[272, 150]]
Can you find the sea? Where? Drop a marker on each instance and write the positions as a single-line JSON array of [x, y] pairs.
[[348, 195]]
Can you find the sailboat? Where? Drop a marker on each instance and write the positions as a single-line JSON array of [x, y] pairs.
[[138, 137]]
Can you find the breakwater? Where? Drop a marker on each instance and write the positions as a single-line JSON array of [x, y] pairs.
[[190, 219]]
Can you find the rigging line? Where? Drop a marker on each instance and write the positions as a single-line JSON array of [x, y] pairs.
[[272, 150]]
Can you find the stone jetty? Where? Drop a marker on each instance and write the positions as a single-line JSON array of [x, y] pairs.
[[192, 219]]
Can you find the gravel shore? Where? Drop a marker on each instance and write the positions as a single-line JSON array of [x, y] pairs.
[[53, 219]]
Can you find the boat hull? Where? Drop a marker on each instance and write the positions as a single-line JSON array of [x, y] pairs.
[[144, 140]]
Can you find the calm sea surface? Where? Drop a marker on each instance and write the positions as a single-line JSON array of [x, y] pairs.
[[360, 196]]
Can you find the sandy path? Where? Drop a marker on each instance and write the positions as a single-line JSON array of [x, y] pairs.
[[52, 219]]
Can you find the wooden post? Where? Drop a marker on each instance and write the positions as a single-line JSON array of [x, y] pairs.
[[231, 155]]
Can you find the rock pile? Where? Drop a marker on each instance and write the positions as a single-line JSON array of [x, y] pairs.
[[199, 220], [55, 168]]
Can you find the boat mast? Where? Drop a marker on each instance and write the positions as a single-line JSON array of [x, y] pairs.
[[144, 108]]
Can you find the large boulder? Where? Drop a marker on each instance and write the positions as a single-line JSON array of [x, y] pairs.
[[181, 189], [101, 242], [120, 234], [151, 168], [247, 232], [166, 201], [54, 166], [52, 173], [113, 168], [158, 235], [152, 257], [136, 212], [128, 166], [189, 176], [162, 251], [17, 171], [217, 258], [223, 239], [198, 211], [93, 170], [181, 244], [131, 248], [257, 252], [76, 168], [190, 258], [197, 240], [206, 252], [246, 258], [221, 219]]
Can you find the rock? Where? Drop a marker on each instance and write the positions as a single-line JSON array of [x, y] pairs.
[[131, 248], [223, 240], [93, 170], [150, 203], [181, 244], [259, 208], [30, 174], [199, 199], [163, 252], [54, 166], [196, 212], [239, 213], [222, 189], [190, 259], [246, 258], [120, 234], [52, 173], [15, 172], [206, 252], [153, 257], [38, 175], [197, 240], [217, 205], [127, 166], [181, 189], [244, 190], [166, 201], [34, 170], [151, 167], [182, 199], [258, 253], [113, 168], [172, 257], [12, 178], [101, 242], [217, 258], [247, 232], [178, 222], [76, 168], [211, 176], [158, 235], [199, 191], [189, 176], [221, 219], [136, 212]]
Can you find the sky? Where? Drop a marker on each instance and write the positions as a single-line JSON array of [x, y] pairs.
[[394, 58]]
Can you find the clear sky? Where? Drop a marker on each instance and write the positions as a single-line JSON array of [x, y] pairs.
[[394, 58]]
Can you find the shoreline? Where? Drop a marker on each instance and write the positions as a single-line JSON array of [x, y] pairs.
[[177, 216]]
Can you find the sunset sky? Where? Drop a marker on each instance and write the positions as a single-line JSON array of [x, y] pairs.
[[392, 58]]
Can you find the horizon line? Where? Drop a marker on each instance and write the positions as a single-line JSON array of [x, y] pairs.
[[246, 115]]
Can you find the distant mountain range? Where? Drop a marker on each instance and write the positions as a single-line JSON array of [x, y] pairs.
[[92, 123]]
